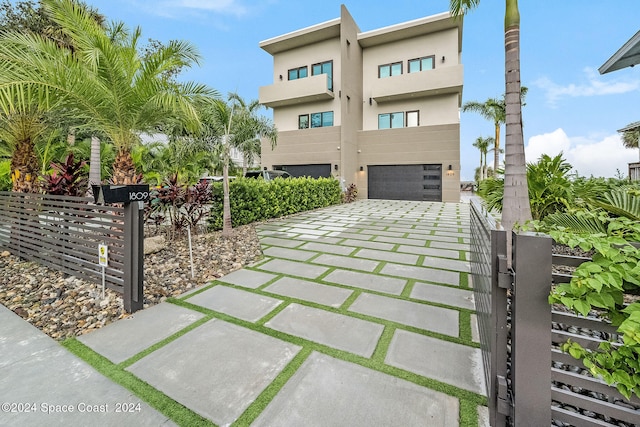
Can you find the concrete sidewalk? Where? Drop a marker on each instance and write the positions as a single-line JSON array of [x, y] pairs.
[[359, 315]]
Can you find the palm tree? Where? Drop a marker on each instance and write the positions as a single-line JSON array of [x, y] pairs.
[[482, 144], [631, 135], [493, 110], [516, 205], [112, 88], [257, 127]]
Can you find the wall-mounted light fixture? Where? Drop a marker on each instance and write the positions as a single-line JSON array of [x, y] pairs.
[[450, 171], [335, 167], [361, 168], [280, 77], [338, 147], [265, 168], [370, 101], [442, 58]]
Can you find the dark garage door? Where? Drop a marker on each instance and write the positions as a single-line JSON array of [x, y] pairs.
[[405, 182], [314, 171]]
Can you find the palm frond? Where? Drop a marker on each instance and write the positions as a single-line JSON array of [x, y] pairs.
[[581, 222], [623, 202]]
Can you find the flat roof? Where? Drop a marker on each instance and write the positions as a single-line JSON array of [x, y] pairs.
[[331, 29], [313, 34], [627, 56], [409, 29]]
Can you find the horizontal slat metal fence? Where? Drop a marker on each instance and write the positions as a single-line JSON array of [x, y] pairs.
[[63, 233], [522, 335]]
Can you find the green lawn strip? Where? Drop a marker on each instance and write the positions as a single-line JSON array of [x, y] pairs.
[[257, 406], [133, 359], [201, 290], [420, 260], [406, 292], [464, 280], [173, 410], [273, 313], [383, 344], [468, 413], [464, 322], [463, 256], [350, 300]]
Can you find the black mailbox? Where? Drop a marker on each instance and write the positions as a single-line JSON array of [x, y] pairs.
[[120, 193]]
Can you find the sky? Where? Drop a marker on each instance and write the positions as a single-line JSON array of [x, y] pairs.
[[570, 107]]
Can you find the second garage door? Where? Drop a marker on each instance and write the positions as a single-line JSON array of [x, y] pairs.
[[405, 182]]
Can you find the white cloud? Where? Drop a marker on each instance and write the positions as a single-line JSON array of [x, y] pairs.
[[181, 8], [595, 85], [597, 157]]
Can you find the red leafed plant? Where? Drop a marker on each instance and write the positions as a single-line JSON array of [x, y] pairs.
[[67, 179]]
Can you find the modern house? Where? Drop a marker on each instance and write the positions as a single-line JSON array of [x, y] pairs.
[[627, 56], [379, 108]]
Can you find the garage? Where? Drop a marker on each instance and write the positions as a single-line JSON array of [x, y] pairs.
[[405, 182], [314, 171]]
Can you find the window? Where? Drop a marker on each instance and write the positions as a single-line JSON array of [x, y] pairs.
[[413, 119], [319, 120], [324, 68], [390, 120], [388, 70], [303, 121], [422, 64], [298, 73]]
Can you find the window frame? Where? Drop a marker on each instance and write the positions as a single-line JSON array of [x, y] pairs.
[[433, 63], [297, 70], [406, 120], [390, 66], [299, 121], [321, 64], [391, 117], [323, 119]]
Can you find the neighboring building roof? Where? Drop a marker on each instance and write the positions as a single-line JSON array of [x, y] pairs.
[[627, 56], [632, 126]]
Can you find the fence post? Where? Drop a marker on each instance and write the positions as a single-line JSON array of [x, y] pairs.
[[531, 330], [133, 292], [500, 405]]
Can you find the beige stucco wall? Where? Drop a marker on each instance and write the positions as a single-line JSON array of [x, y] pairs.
[[434, 110]]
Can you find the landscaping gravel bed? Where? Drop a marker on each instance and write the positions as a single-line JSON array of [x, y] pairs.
[[67, 306]]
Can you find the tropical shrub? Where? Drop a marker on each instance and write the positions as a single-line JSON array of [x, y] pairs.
[[5, 175], [182, 205], [68, 178], [258, 200], [603, 287]]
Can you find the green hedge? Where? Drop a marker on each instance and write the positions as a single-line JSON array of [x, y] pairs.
[[258, 200]]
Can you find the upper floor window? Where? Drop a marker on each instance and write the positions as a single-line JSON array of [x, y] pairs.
[[319, 120], [398, 120], [391, 120], [422, 64], [388, 70], [413, 118], [303, 121], [324, 68], [298, 73]]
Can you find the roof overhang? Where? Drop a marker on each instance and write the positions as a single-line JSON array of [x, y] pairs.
[[627, 56], [409, 29], [306, 36], [632, 127]]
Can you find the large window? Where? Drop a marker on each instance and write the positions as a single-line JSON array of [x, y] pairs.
[[388, 70], [422, 64], [324, 68], [298, 73], [319, 120], [391, 120]]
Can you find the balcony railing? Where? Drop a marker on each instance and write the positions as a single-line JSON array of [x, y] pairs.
[[290, 92], [438, 81]]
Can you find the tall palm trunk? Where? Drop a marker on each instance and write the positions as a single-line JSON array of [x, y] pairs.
[[95, 166], [227, 225], [516, 207], [496, 151], [24, 167]]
